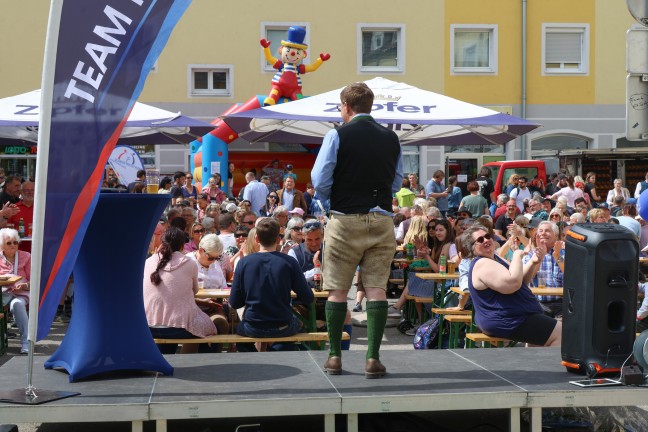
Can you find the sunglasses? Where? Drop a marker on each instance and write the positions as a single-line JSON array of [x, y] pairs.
[[296, 228], [211, 258], [555, 216], [483, 238], [199, 231], [12, 243], [239, 235], [249, 223], [311, 226]]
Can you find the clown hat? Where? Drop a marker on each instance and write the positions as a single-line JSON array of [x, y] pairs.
[[296, 37]]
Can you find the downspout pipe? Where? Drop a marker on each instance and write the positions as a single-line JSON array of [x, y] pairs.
[[523, 141]]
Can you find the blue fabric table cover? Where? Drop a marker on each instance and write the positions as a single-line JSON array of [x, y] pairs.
[[108, 330]]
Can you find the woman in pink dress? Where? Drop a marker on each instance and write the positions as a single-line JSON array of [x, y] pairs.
[[170, 284]]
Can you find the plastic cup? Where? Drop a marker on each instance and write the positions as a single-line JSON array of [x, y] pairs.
[[152, 181]]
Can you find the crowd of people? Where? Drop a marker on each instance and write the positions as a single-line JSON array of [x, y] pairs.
[[268, 242], [16, 218], [521, 232], [209, 243]]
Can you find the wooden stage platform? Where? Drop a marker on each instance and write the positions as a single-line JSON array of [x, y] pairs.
[[248, 385]]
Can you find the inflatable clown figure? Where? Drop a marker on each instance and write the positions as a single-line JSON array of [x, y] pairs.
[[287, 80]]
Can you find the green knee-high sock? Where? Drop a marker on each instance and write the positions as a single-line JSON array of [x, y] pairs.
[[376, 320], [335, 316]]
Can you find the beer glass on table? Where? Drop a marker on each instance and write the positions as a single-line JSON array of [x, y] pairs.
[[152, 181]]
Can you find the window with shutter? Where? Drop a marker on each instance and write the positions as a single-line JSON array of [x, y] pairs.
[[565, 49]]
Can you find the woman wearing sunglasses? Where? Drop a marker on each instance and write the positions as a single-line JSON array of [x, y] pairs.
[[170, 284], [211, 276], [196, 232], [293, 235], [189, 192], [16, 262], [210, 273], [272, 202], [504, 305]]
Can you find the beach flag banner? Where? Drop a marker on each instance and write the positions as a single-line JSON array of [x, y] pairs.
[[98, 55]]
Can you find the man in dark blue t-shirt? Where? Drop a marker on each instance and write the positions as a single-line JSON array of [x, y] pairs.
[[263, 282]]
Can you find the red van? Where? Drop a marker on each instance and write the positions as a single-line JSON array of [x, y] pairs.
[[502, 170]]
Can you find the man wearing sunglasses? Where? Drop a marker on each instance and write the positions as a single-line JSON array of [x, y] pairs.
[[360, 230], [309, 253]]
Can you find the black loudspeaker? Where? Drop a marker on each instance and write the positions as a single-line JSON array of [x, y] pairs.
[[600, 298]]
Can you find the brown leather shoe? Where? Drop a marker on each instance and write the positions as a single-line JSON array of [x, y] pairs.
[[333, 365], [374, 369]]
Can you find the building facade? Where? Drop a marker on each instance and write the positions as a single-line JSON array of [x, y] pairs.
[[561, 64]]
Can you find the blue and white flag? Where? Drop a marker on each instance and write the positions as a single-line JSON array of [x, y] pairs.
[[97, 58]]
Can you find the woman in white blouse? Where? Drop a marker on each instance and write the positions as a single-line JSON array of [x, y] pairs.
[[210, 276], [616, 191]]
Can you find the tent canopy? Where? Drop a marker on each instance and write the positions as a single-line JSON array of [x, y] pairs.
[[418, 116], [146, 124]]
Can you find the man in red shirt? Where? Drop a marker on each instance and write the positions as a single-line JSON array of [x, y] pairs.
[[25, 212]]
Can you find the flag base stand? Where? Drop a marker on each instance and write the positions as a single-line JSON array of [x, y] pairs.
[[34, 396]]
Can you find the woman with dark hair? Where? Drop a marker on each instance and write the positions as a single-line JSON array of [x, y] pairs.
[[165, 185], [454, 199], [170, 284], [441, 240], [272, 202], [504, 305], [486, 185], [189, 192]]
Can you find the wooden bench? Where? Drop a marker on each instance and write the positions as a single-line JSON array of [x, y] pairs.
[[456, 321], [233, 338], [400, 283], [492, 342], [446, 311]]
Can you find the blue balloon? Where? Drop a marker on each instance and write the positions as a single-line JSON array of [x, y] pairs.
[[643, 205]]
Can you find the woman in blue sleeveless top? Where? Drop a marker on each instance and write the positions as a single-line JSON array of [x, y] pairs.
[[504, 305]]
